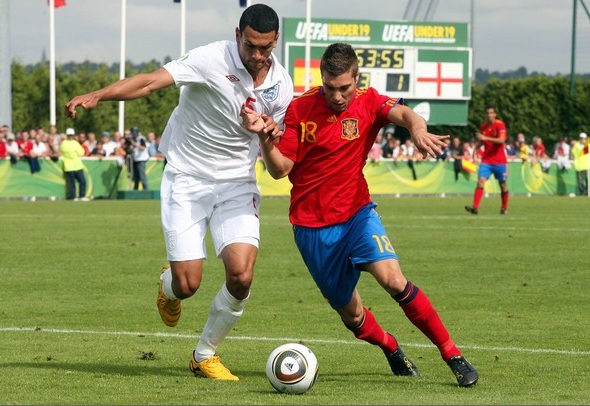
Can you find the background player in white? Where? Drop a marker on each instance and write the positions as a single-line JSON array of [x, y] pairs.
[[209, 179]]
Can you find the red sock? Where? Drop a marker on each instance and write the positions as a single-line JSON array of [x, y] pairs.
[[505, 200], [477, 195], [371, 332], [422, 314]]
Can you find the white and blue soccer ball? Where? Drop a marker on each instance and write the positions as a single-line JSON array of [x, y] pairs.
[[292, 368]]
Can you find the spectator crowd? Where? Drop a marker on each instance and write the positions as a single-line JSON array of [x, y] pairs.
[[389, 147], [36, 143]]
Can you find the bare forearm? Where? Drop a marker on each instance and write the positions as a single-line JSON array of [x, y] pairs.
[[126, 89], [269, 134], [426, 143], [482, 137], [406, 117], [132, 88], [276, 164]]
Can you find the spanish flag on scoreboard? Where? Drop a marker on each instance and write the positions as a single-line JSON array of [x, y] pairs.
[[299, 74], [468, 166]]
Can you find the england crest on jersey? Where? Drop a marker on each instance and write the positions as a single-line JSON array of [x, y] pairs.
[[271, 93]]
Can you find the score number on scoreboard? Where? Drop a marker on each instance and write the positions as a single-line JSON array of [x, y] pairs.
[[388, 70]]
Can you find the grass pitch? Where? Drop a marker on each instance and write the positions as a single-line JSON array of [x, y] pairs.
[[78, 322]]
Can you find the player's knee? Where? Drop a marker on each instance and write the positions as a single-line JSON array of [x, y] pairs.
[[396, 282], [240, 280], [184, 290], [186, 286], [352, 315], [239, 286]]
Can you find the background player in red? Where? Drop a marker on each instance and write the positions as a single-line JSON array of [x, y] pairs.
[[492, 134], [328, 133]]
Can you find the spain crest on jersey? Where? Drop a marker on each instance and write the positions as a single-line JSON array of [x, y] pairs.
[[350, 129]]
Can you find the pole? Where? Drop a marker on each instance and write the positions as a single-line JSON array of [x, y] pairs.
[[572, 66], [307, 44], [471, 29], [183, 27], [182, 35], [573, 56], [5, 63], [122, 65], [52, 62]]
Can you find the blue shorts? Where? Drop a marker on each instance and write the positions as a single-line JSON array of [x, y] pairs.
[[500, 171], [333, 254]]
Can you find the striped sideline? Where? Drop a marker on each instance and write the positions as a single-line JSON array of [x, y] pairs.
[[284, 339]]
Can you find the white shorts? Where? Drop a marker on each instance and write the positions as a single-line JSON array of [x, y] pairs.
[[189, 205]]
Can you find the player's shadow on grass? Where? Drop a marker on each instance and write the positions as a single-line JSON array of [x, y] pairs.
[[379, 378], [150, 368], [104, 369], [375, 377]]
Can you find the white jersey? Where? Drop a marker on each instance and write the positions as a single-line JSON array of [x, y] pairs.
[[204, 136]]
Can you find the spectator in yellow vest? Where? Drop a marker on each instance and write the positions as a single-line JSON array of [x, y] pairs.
[[71, 153], [581, 163]]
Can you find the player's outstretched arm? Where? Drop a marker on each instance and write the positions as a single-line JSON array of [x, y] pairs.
[[425, 142], [131, 88]]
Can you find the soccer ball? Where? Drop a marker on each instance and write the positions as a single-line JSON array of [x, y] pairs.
[[292, 368]]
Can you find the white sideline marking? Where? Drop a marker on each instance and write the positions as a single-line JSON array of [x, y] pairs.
[[286, 339]]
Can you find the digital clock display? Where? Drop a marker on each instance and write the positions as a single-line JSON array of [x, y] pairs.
[[386, 58], [397, 82]]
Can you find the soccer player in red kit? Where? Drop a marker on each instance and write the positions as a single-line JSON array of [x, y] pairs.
[[492, 134], [329, 131]]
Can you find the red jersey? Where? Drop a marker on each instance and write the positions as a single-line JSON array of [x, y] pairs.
[[329, 150], [539, 151], [27, 147], [494, 153]]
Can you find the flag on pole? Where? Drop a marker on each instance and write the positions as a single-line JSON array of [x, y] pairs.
[[243, 3], [57, 3]]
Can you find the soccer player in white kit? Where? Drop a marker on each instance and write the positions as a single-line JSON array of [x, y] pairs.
[[209, 180]]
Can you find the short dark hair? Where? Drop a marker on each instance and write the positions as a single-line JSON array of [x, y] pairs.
[[339, 58], [261, 18]]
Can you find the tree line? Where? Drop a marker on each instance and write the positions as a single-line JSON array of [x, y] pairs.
[[535, 104]]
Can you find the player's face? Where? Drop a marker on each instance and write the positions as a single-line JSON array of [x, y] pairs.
[[255, 48], [339, 90], [491, 115]]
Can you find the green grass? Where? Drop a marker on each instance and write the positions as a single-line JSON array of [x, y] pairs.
[[78, 322]]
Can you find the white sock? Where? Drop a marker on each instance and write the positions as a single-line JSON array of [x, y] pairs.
[[224, 313], [166, 278]]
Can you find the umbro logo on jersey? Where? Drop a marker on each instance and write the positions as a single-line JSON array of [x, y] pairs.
[[233, 78]]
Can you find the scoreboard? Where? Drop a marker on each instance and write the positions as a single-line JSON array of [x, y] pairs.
[[385, 69], [428, 64]]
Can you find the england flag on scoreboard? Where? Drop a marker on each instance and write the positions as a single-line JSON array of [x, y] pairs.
[[439, 80]]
